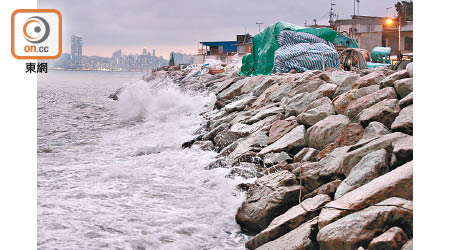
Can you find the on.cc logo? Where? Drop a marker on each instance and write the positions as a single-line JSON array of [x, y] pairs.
[[36, 29]]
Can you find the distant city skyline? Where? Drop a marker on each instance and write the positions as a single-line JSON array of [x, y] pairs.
[[177, 25]]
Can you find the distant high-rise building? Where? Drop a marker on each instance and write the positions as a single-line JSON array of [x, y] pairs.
[[154, 52], [76, 51], [117, 57], [144, 51]]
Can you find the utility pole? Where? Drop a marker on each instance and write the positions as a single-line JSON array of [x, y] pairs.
[[315, 21], [259, 26], [387, 10], [332, 14]]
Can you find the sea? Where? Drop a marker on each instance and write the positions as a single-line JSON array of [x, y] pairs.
[[113, 175]]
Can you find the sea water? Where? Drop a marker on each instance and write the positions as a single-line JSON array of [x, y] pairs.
[[113, 175]]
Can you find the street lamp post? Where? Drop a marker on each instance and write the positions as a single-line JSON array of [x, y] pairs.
[[389, 22]]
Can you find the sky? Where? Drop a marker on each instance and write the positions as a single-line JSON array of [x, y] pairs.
[[179, 25]]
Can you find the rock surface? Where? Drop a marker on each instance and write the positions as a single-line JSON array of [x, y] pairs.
[[280, 128], [295, 138], [392, 239], [316, 111], [404, 121], [269, 197], [384, 112], [326, 131]]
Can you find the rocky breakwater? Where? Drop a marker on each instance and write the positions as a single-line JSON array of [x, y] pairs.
[[331, 152]]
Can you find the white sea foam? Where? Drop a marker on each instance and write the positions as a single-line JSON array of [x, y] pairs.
[[131, 185]]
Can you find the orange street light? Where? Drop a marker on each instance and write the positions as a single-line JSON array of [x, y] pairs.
[[389, 21]]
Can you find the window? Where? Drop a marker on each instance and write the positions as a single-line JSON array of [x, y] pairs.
[[408, 43]]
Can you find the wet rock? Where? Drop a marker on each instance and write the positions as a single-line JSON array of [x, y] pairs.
[[408, 245], [245, 129], [280, 128], [407, 100], [225, 138], [402, 151], [403, 87], [245, 170], [360, 227], [358, 151], [316, 111], [306, 154], [288, 221], [275, 158], [293, 139], [404, 121], [232, 91], [397, 183], [256, 140], [384, 112], [350, 135], [392, 239], [373, 78], [299, 238], [225, 84], [219, 163], [265, 113], [279, 93], [389, 81], [269, 197], [240, 103], [204, 145], [374, 130], [230, 148], [370, 167], [342, 101], [326, 131], [211, 134], [263, 98], [344, 80], [366, 101], [253, 82]]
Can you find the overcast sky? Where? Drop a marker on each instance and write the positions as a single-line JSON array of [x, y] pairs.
[[179, 25]]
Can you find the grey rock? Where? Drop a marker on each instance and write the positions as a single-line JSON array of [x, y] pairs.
[[404, 121], [231, 91], [269, 197], [402, 151], [306, 154], [389, 81], [370, 167], [211, 134], [342, 101], [225, 138], [265, 113], [407, 100], [374, 130], [293, 139], [326, 131], [344, 80], [359, 228], [299, 238], [392, 239], [327, 188], [274, 158], [240, 103], [355, 107], [297, 104], [397, 183], [384, 112], [288, 221], [255, 140], [403, 87], [316, 111]]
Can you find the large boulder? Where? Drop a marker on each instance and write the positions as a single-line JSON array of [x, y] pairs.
[[407, 100], [307, 86], [374, 130], [403, 87], [306, 154], [232, 91], [275, 158], [326, 131], [359, 228], [327, 188], [384, 112], [316, 111], [299, 238], [263, 98], [397, 183], [269, 197], [358, 151], [408, 245], [368, 100], [280, 128], [240, 103], [370, 167], [297, 104], [342, 101], [402, 151], [350, 135], [256, 140], [225, 138], [392, 239], [265, 113], [295, 138], [288, 221], [373, 78], [344, 81], [404, 121], [389, 81]]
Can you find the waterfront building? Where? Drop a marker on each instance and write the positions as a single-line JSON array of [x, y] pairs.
[[76, 51]]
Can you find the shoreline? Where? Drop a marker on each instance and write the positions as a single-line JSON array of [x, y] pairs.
[[331, 151]]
